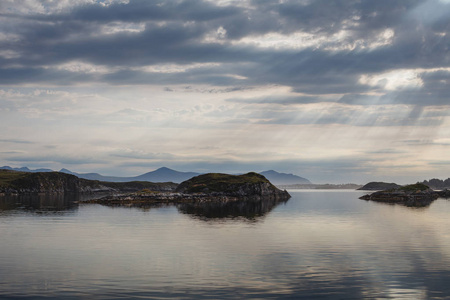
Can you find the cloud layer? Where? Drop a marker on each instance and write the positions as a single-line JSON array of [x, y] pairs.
[[214, 84]]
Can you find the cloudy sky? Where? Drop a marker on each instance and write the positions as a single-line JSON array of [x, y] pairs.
[[334, 91]]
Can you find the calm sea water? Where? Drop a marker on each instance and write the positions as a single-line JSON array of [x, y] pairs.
[[319, 244]]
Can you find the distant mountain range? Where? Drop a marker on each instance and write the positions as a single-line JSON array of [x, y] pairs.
[[25, 169], [283, 178], [168, 175], [160, 175]]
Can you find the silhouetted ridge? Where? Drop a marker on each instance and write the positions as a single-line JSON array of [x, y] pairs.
[[283, 178]]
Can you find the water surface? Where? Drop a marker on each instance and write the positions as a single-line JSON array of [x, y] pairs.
[[319, 244]]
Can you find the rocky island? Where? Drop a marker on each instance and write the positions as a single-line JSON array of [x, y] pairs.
[[212, 187], [379, 186], [250, 185], [416, 195]]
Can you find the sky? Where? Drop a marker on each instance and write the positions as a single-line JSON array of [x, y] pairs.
[[335, 91]]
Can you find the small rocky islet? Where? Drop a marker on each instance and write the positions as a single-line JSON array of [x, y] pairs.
[[413, 195]]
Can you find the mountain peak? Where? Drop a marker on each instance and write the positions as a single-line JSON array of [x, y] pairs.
[[271, 172], [284, 178], [164, 169], [165, 174]]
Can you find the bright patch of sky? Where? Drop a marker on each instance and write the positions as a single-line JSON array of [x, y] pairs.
[[393, 80]]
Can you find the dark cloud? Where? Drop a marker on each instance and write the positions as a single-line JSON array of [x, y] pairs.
[[24, 75], [319, 15], [141, 11], [176, 32]]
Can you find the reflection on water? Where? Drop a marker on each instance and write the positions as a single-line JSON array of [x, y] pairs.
[[44, 202], [248, 209], [327, 245]]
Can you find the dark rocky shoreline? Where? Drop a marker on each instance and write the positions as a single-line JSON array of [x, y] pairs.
[[178, 198], [417, 195]]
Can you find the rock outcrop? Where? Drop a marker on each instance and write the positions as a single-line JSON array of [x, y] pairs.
[[417, 195], [250, 185], [41, 182], [445, 193]]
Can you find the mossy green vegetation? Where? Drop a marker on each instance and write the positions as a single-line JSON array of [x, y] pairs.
[[414, 187], [7, 177], [38, 182]]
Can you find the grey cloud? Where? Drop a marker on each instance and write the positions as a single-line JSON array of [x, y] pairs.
[[231, 89], [283, 100], [361, 99], [386, 151], [434, 92], [427, 142], [144, 156], [15, 141], [319, 15], [12, 76], [417, 142], [344, 115], [129, 77], [47, 40], [385, 13], [154, 45], [46, 159], [11, 152], [156, 38], [138, 11], [439, 163]]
